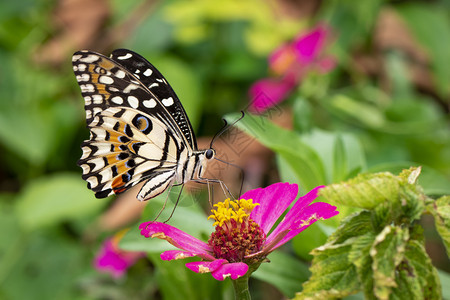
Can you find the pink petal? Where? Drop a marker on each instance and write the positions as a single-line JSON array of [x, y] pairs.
[[308, 47], [176, 254], [266, 93], [294, 212], [273, 201], [233, 270], [206, 266], [115, 261], [176, 237], [293, 232], [299, 218]]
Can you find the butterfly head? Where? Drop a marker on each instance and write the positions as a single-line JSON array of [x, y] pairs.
[[204, 157], [210, 153]]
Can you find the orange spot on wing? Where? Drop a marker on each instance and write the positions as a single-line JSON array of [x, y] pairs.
[[106, 64], [142, 124], [120, 164], [101, 89], [114, 137], [121, 168], [94, 78], [118, 185]]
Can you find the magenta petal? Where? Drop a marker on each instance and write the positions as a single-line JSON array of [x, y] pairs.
[[175, 254], [294, 212], [175, 236], [266, 93], [311, 219], [299, 218], [115, 261], [273, 201], [206, 266], [308, 47], [233, 270]]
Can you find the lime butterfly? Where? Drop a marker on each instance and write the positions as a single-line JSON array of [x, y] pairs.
[[139, 129]]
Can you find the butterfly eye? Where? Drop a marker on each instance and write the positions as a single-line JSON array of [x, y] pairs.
[[209, 153]]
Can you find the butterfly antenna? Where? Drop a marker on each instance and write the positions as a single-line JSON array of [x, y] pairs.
[[224, 128]]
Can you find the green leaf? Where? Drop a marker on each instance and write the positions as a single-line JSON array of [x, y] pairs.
[[445, 282], [387, 253], [284, 272], [416, 276], [358, 229], [432, 181], [381, 249], [357, 224], [302, 115], [360, 112], [360, 256], [287, 174], [441, 213], [390, 195], [333, 275], [364, 191], [52, 199], [342, 153], [340, 160]]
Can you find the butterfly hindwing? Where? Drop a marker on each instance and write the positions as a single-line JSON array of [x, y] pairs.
[[123, 152]]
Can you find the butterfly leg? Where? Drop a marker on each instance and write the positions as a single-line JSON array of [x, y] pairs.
[[210, 194], [176, 203], [224, 187], [164, 205]]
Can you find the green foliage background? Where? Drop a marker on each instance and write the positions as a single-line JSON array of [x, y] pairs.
[[345, 123]]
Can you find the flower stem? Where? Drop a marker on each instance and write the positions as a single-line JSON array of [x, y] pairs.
[[241, 290], [240, 285]]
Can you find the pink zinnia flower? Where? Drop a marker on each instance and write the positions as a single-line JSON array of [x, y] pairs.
[[113, 260], [241, 237], [290, 63]]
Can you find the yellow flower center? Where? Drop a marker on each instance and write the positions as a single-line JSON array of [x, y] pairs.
[[228, 210]]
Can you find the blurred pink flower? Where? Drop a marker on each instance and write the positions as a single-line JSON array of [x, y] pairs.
[[113, 260], [243, 234], [290, 63]]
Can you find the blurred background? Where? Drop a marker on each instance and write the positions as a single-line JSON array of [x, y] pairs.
[[364, 85]]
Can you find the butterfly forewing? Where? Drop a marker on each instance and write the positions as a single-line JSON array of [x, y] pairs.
[[158, 85], [136, 133]]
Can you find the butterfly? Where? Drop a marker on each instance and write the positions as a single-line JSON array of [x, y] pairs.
[[139, 131]]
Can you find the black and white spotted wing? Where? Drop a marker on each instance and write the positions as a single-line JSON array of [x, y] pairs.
[[139, 129], [155, 81]]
